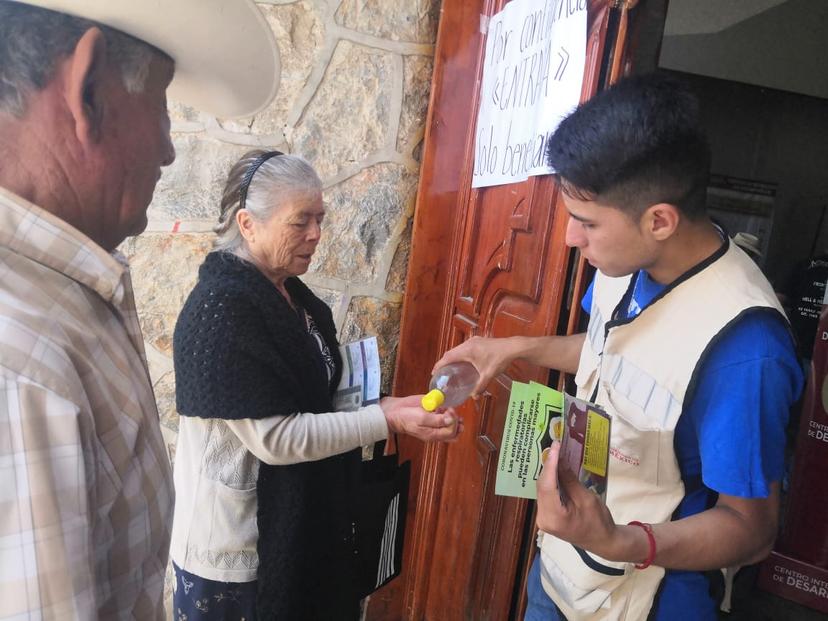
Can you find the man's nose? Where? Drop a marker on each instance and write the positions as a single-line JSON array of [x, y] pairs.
[[574, 233]]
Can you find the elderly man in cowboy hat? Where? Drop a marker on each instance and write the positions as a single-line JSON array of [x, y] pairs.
[[85, 484]]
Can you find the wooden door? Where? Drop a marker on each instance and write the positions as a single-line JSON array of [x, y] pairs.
[[483, 262]]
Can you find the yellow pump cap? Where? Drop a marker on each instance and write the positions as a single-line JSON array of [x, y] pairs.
[[433, 400]]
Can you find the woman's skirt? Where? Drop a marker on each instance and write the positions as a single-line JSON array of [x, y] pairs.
[[200, 599]]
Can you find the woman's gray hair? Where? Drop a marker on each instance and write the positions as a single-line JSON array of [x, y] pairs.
[[33, 40], [277, 181]]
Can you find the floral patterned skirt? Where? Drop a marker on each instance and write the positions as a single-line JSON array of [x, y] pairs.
[[200, 599]]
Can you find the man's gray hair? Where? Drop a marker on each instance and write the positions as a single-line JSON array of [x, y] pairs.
[[33, 40], [278, 181]]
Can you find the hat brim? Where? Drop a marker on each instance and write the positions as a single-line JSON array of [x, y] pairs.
[[226, 57]]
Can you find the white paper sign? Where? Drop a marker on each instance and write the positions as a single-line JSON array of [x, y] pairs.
[[532, 74]]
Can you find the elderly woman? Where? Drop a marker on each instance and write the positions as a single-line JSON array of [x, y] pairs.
[[264, 467]]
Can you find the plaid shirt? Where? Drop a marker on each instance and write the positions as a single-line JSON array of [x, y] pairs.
[[85, 486]]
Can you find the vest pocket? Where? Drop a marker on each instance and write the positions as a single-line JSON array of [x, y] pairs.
[[577, 578], [643, 482], [635, 442]]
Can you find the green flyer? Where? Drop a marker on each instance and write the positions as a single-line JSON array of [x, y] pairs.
[[526, 433], [538, 414]]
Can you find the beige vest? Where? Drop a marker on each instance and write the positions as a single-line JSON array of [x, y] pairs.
[[640, 370]]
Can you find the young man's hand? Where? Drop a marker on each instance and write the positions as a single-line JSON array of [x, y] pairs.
[[490, 356], [571, 512]]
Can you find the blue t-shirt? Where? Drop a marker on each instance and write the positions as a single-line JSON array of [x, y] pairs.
[[730, 438]]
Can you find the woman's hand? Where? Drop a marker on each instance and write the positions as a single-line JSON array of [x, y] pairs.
[[490, 356], [406, 415]]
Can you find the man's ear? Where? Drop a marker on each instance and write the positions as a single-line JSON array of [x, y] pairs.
[[661, 220], [84, 87]]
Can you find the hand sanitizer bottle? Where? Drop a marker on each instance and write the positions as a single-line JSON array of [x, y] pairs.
[[450, 385]]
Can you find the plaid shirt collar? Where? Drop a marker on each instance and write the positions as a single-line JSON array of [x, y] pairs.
[[41, 236]]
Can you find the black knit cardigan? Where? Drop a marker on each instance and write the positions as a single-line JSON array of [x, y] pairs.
[[241, 351]]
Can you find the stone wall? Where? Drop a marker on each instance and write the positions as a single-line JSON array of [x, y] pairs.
[[353, 98]]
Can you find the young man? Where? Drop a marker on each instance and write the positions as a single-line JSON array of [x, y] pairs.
[[86, 486], [689, 351]]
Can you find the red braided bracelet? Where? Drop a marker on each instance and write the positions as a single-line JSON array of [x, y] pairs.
[[651, 538]]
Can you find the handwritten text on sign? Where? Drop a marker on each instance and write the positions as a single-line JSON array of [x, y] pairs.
[[532, 72]]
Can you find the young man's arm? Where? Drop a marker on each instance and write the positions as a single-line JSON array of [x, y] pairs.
[[491, 356], [736, 531]]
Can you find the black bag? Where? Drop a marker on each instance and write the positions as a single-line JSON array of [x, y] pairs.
[[380, 508]]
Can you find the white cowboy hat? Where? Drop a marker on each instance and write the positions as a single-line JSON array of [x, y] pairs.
[[226, 58]]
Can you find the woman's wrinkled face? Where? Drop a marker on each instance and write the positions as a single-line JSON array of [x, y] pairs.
[[284, 245]]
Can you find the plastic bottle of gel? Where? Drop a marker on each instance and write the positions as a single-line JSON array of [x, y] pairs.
[[450, 385]]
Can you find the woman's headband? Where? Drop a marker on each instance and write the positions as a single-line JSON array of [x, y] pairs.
[[248, 176]]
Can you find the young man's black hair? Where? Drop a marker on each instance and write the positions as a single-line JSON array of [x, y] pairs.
[[636, 144]]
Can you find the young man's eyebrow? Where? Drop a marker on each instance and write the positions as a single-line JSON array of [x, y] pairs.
[[579, 218]]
